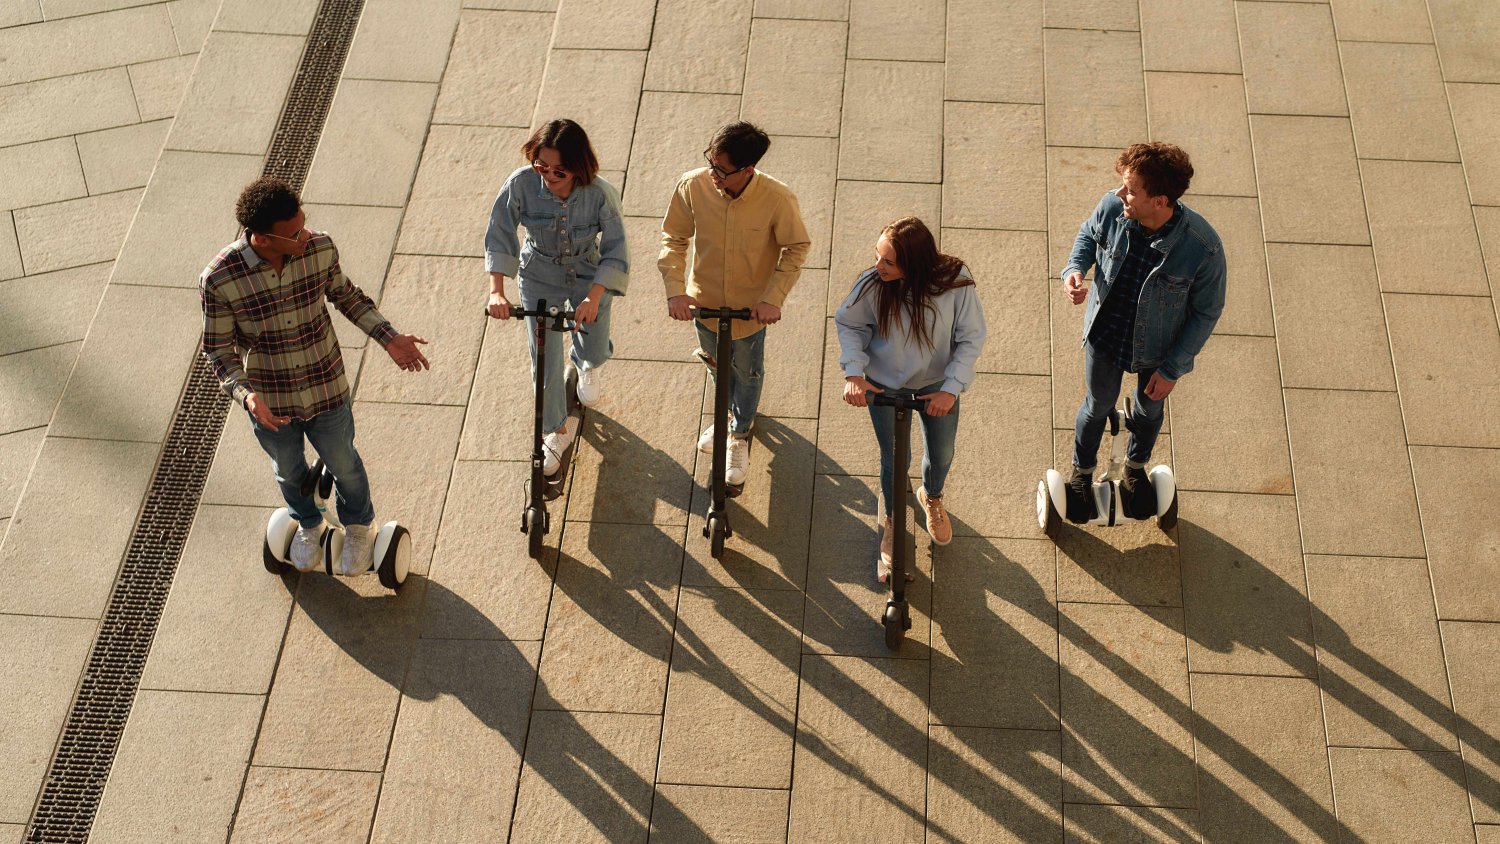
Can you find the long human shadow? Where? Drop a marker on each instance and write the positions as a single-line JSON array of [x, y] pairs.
[[382, 634], [1331, 638], [1292, 650]]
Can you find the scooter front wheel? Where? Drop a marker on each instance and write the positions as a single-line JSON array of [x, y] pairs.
[[894, 630], [272, 563], [1047, 516], [535, 525], [392, 565], [715, 537]]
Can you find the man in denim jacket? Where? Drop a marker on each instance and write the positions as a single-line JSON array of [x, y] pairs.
[[1158, 293]]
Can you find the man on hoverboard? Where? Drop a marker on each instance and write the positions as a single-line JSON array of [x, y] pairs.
[[1157, 294], [271, 343]]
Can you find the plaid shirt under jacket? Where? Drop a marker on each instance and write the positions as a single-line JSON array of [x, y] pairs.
[[270, 334], [1113, 334]]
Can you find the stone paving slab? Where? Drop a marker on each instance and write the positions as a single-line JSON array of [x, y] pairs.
[[1465, 34], [1380, 654], [1291, 59], [371, 143], [731, 699], [477, 90], [179, 769], [586, 777], [698, 46], [1199, 36], [1471, 650], [10, 250], [1408, 119], [174, 218], [599, 89], [1202, 112], [1263, 766], [466, 703], [1446, 226], [219, 113], [1381, 20], [73, 564], [1400, 795], [391, 43], [1002, 145], [42, 52], [66, 105], [789, 77], [48, 309], [159, 85], [1461, 548], [1312, 282], [609, 628], [1099, 823], [282, 803], [1308, 156], [449, 207], [1247, 302], [117, 159], [1094, 88], [993, 785], [1474, 113], [18, 451], [974, 70], [429, 297], [1011, 278], [1126, 735], [860, 739], [701, 813], [40, 173], [896, 31], [809, 166], [1443, 404], [76, 232], [876, 147], [679, 126], [47, 655]]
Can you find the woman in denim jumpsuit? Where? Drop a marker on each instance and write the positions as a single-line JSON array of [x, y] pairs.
[[574, 253]]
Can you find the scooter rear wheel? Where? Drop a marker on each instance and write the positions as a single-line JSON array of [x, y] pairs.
[[534, 519], [894, 629]]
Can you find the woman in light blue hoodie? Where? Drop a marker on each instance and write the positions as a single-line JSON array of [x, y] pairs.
[[912, 326]]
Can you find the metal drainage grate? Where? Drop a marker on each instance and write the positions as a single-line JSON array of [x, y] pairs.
[[91, 735]]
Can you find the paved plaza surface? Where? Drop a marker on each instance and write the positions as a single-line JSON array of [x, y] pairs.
[[1312, 654]]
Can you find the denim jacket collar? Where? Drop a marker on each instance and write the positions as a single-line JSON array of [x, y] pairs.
[[1176, 226]]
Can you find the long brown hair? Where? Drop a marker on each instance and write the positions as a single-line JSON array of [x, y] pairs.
[[926, 273]]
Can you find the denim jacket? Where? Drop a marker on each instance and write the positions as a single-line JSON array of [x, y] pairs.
[[567, 240], [1181, 299]]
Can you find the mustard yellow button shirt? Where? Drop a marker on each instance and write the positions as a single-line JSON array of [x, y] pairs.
[[746, 249]]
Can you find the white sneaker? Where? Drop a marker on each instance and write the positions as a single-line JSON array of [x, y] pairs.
[[706, 440], [307, 548], [555, 443], [590, 387], [739, 460], [357, 550]]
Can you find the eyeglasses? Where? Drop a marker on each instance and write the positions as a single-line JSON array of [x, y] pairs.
[[302, 236], [544, 169], [720, 171]]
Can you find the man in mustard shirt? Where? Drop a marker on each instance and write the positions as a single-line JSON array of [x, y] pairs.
[[748, 244]]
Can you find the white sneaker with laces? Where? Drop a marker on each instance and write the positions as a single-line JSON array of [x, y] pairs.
[[590, 387], [355, 558], [739, 460], [706, 440], [555, 443], [307, 548]]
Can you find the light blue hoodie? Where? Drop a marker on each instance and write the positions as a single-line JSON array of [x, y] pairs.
[[956, 326]]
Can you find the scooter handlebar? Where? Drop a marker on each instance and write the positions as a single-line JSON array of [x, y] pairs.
[[721, 313], [897, 401], [521, 313]]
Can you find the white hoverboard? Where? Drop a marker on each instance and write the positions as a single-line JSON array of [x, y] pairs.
[[392, 548], [1109, 503]]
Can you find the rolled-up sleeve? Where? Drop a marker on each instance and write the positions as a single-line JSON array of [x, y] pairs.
[[502, 248], [968, 340]]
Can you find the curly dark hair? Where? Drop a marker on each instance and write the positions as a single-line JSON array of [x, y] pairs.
[[1164, 169], [264, 203]]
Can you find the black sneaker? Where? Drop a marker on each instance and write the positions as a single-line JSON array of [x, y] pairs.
[[1139, 497], [1079, 496]]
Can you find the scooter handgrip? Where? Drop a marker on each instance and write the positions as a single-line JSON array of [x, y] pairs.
[[897, 401], [721, 313]]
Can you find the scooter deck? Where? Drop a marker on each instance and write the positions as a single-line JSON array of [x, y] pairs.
[[553, 487]]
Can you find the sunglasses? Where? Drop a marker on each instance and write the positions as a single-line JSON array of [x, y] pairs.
[[557, 172], [720, 171], [302, 236]]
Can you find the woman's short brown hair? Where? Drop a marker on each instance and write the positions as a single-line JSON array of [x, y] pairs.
[[572, 145], [1164, 169]]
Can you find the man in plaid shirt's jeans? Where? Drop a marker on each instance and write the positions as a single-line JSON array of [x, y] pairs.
[[271, 343]]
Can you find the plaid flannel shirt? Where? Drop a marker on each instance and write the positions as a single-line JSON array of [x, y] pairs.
[[270, 334]]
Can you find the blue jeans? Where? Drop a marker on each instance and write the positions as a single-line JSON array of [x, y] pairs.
[[332, 436], [1103, 377], [746, 373], [938, 435], [590, 349]]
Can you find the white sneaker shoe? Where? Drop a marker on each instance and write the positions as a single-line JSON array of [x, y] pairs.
[[706, 440], [739, 460], [307, 548], [355, 558], [555, 443], [590, 387]]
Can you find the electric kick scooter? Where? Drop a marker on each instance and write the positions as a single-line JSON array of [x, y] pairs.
[[897, 615], [716, 528], [536, 522]]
